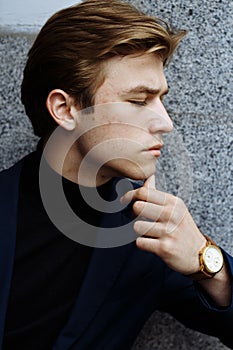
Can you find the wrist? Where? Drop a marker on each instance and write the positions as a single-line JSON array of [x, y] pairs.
[[219, 287]]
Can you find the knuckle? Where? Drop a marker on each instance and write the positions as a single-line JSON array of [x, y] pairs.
[[137, 226], [174, 200], [142, 192], [171, 227], [179, 202], [138, 206], [166, 248], [165, 213]]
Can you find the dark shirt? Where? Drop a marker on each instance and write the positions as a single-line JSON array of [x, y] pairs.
[[49, 268]]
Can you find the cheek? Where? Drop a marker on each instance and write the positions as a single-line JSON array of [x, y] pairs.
[[95, 140], [107, 146], [106, 131], [117, 138]]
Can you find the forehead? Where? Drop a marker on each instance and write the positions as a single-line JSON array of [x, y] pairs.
[[131, 73]]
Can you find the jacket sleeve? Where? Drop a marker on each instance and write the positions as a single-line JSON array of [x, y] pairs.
[[189, 304]]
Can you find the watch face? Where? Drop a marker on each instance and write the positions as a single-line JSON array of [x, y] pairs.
[[213, 259]]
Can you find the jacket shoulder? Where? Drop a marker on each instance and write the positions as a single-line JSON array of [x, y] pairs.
[[9, 178]]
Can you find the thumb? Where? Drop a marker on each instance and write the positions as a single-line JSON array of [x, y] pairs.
[[150, 182]]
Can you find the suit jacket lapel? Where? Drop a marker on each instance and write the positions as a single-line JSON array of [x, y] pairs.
[[8, 217]]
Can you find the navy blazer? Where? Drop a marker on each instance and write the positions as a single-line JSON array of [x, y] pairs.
[[121, 289]]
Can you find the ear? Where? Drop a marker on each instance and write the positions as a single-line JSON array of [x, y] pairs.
[[59, 105]]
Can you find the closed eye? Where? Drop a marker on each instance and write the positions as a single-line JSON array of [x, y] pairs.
[[138, 103]]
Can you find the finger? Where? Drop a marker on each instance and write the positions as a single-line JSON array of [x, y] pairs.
[[149, 244], [132, 195], [145, 228], [145, 194], [150, 211], [150, 182], [151, 229]]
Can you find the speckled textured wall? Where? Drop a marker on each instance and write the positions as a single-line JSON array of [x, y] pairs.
[[198, 160]]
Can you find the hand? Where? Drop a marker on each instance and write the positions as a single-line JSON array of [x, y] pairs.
[[166, 227]]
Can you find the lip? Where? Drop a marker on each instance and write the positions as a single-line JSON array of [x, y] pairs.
[[155, 150]]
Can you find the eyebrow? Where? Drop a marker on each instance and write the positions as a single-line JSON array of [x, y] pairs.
[[145, 89]]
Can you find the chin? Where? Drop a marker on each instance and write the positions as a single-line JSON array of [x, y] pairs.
[[139, 175], [130, 170]]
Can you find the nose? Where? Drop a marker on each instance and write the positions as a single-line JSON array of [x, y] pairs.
[[160, 120]]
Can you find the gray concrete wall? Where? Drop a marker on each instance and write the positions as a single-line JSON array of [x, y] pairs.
[[197, 163]]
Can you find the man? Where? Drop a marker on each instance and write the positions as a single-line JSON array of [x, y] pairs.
[[93, 87]]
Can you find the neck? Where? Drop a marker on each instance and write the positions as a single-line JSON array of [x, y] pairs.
[[72, 166]]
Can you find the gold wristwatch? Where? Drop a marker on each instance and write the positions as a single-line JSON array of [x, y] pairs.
[[211, 261]]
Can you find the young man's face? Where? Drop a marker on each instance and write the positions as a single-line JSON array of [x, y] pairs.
[[124, 135]]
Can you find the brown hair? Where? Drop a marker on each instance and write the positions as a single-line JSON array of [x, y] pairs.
[[71, 46]]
